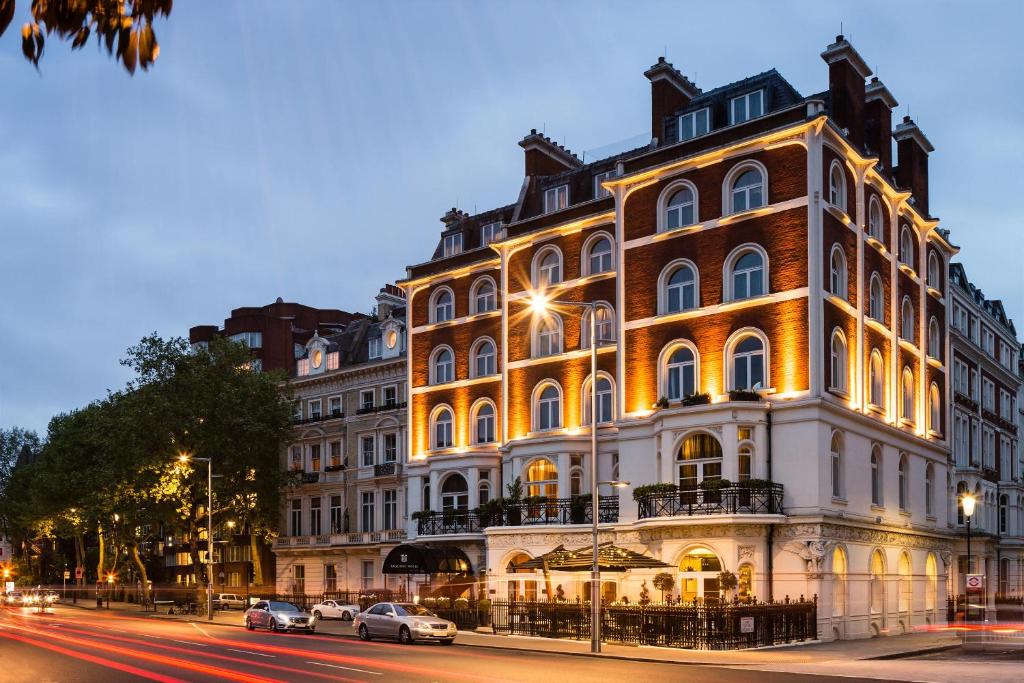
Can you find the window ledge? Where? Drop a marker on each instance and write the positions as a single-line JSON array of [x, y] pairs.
[[904, 422], [877, 410], [931, 518], [744, 215], [842, 393], [839, 501], [877, 508], [905, 513]]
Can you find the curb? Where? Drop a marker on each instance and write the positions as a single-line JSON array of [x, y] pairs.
[[913, 653]]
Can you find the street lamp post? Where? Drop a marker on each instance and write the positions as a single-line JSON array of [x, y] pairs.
[[540, 305], [968, 502], [209, 530]]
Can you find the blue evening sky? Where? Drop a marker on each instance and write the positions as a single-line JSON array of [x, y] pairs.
[[308, 149]]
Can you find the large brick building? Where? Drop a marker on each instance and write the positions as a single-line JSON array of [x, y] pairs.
[[770, 283]]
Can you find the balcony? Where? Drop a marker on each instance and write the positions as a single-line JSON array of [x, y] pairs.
[[387, 469], [527, 512], [341, 539], [761, 498], [384, 407]]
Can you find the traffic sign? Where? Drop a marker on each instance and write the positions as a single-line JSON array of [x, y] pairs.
[[975, 583], [67, 575], [746, 624], [79, 572]]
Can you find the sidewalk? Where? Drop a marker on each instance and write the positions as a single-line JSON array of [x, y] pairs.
[[811, 652]]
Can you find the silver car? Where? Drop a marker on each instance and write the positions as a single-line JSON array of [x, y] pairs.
[[403, 621], [278, 616]]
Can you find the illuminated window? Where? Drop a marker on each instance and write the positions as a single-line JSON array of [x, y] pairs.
[[876, 224], [442, 366], [679, 289], [542, 478], [483, 296], [547, 335], [548, 410], [442, 306], [598, 256], [748, 363], [907, 320], [904, 582], [876, 300], [699, 458], [483, 422], [746, 107], [747, 273], [837, 187], [605, 402], [837, 272], [556, 198], [876, 585], [547, 268], [680, 374], [876, 380], [604, 327], [934, 409], [907, 404], [934, 339], [931, 590], [681, 209], [441, 428], [748, 191], [839, 572], [694, 124], [483, 358], [744, 461], [839, 366]]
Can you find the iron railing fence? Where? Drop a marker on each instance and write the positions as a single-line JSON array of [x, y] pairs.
[[726, 500], [529, 512]]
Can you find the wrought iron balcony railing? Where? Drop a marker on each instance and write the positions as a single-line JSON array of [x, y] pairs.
[[727, 500], [527, 512]]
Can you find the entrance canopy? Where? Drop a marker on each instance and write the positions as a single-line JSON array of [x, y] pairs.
[[426, 559], [609, 558]]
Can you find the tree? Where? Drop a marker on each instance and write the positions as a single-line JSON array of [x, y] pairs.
[[123, 27], [664, 582]]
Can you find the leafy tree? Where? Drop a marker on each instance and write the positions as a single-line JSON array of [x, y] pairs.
[[664, 582], [123, 27]]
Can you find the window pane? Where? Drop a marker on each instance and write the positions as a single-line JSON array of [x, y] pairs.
[[757, 369]]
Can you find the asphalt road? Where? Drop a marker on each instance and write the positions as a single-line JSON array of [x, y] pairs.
[[72, 645]]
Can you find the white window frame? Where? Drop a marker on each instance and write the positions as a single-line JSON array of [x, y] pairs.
[[694, 117], [600, 192], [606, 257], [488, 232], [907, 316], [476, 298], [363, 393], [877, 315], [547, 271], [552, 407], [449, 427], [666, 368], [453, 244], [728, 187], [489, 421], [585, 399], [605, 327], [666, 196], [934, 339], [548, 335], [729, 353], [556, 198], [837, 186], [838, 276], [475, 357], [436, 307], [384, 395], [728, 272], [876, 230], [876, 380], [839, 362], [435, 365], [375, 348], [908, 406], [746, 98], [906, 245], [367, 456], [934, 276]]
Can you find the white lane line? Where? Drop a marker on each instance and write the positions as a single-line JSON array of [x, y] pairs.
[[250, 652], [347, 668], [200, 629], [188, 642]]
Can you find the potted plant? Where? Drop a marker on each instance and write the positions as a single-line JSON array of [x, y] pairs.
[[461, 603], [664, 582], [514, 513], [642, 492], [697, 399], [448, 516], [662, 402], [727, 583], [578, 508], [744, 395], [645, 594]]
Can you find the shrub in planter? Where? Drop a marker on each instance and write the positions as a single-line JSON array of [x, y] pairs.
[[461, 603], [429, 602], [715, 484], [535, 500], [697, 399], [727, 581], [641, 492], [758, 484], [515, 490], [449, 516], [420, 514], [662, 402], [483, 605], [744, 395], [578, 508], [444, 602]]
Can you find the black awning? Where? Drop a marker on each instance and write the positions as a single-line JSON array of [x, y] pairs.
[[426, 559], [609, 558]]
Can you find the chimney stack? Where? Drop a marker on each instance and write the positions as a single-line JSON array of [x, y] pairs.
[[846, 73], [913, 149], [453, 218], [546, 157], [878, 123], [670, 91]]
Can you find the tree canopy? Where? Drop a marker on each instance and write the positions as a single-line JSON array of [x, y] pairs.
[[123, 27]]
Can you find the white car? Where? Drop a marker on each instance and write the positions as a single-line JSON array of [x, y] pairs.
[[331, 609]]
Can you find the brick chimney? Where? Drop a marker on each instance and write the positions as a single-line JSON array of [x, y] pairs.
[[546, 157], [913, 149], [878, 107], [846, 74], [670, 91], [453, 218]]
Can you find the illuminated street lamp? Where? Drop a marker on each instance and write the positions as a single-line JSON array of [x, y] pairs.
[[968, 501], [185, 457], [540, 305]]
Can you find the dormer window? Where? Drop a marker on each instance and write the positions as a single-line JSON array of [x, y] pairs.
[[453, 244], [376, 348], [746, 107], [488, 233], [694, 124], [556, 198], [599, 178]]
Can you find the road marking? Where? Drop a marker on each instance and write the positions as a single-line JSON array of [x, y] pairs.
[[186, 642], [347, 668], [200, 629], [250, 652]]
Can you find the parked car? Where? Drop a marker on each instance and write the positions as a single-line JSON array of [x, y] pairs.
[[332, 609], [403, 621], [228, 601], [278, 616], [13, 598]]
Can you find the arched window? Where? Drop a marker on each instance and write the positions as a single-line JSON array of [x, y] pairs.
[[929, 489], [426, 496], [901, 480], [934, 339], [680, 373], [931, 589], [680, 209], [598, 256], [747, 191], [442, 306], [484, 491], [605, 404], [483, 296], [908, 395], [839, 573], [905, 585], [747, 274], [548, 412], [441, 428], [547, 268], [455, 493], [839, 366], [547, 335], [744, 462], [877, 582], [575, 480], [483, 422], [837, 187], [906, 247], [934, 271], [442, 366], [907, 320], [876, 476], [876, 380], [876, 224], [837, 465], [483, 358], [934, 409], [679, 288], [542, 478], [876, 303], [605, 327], [837, 272], [699, 459], [748, 363], [745, 583]]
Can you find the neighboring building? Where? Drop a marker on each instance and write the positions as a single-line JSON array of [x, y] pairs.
[[763, 250], [349, 510], [986, 387], [276, 333]]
